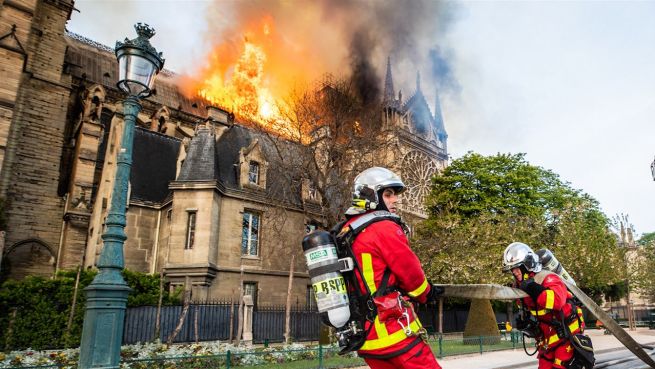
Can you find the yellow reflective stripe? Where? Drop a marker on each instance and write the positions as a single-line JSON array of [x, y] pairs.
[[380, 328], [572, 327], [539, 312], [420, 289], [389, 340], [367, 269], [550, 299], [552, 339]]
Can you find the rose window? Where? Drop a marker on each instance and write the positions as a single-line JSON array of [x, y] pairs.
[[417, 172]]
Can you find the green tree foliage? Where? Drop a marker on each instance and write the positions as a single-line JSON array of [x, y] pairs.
[[35, 310], [644, 278], [480, 204]]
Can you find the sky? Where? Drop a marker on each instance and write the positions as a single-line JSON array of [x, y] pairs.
[[571, 84]]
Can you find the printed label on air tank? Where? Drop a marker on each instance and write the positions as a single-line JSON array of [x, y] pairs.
[[321, 254], [330, 293]]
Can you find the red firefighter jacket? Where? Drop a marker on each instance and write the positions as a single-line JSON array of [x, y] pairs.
[[384, 245], [548, 309]]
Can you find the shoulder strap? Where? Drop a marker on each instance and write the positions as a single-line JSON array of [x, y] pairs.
[[539, 277], [347, 234]]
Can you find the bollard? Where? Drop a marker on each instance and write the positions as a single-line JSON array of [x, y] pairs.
[[320, 357], [228, 358], [440, 346], [480, 345]]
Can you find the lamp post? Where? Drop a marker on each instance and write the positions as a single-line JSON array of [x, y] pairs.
[[138, 64]]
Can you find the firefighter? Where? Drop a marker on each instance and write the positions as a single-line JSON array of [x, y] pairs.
[[393, 275], [551, 317]]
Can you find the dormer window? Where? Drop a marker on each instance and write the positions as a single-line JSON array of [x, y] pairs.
[[312, 193], [253, 173], [252, 167]]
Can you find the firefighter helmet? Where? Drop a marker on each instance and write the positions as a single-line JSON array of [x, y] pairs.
[[370, 183], [518, 254]]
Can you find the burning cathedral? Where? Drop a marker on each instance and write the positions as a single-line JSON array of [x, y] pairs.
[[207, 200]]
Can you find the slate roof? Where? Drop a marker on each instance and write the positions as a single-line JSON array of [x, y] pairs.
[[96, 63], [218, 160], [154, 163]]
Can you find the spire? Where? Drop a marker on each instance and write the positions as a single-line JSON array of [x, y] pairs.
[[437, 106], [388, 83], [418, 81]]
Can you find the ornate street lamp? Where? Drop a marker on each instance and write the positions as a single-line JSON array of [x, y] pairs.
[[138, 64]]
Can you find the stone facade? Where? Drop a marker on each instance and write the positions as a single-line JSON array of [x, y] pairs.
[[207, 207]]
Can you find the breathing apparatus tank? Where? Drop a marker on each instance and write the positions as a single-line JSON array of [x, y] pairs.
[[550, 263], [327, 281]]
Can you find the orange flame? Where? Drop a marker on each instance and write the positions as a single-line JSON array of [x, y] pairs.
[[254, 67]]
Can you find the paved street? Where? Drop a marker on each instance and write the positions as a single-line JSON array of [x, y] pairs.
[[604, 345], [514, 359]]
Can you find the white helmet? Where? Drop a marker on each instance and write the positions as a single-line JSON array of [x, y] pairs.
[[518, 254], [370, 182]]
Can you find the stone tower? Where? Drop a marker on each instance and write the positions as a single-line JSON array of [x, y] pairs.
[[34, 95], [420, 143]]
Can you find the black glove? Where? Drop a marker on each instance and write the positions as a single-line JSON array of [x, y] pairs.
[[520, 324], [434, 294], [561, 330], [532, 288]]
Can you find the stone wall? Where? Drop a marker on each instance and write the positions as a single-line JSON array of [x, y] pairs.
[[30, 170]]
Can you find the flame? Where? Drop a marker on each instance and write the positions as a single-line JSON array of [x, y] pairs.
[[254, 67], [244, 90]]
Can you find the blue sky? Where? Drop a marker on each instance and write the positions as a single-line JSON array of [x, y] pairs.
[[571, 84]]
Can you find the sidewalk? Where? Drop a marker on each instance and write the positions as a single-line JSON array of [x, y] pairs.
[[508, 359]]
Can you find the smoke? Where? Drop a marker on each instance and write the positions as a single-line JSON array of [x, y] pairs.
[[306, 39], [442, 71]]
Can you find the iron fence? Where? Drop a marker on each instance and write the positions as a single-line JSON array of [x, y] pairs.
[[210, 321]]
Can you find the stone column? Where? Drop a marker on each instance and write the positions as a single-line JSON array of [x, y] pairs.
[[247, 320]]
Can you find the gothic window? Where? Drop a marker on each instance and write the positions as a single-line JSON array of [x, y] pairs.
[[190, 229], [418, 170], [250, 233], [253, 172]]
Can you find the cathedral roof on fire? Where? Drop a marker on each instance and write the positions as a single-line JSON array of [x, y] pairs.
[[96, 63]]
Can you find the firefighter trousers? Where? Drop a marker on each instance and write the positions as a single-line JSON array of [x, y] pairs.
[[418, 357], [556, 358]]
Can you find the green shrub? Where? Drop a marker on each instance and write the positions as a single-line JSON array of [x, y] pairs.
[[34, 312]]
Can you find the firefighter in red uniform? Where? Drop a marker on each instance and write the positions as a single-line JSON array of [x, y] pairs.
[[382, 250], [553, 317]]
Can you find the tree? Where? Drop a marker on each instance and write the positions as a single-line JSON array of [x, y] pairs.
[[480, 204], [329, 135], [644, 278]]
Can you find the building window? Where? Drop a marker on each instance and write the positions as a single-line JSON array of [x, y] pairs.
[[250, 289], [310, 227], [312, 193], [310, 299], [250, 233], [190, 229], [253, 172]]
